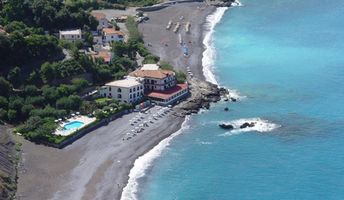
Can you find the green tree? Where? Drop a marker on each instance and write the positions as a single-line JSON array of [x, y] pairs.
[[48, 72], [14, 76], [50, 93], [80, 83], [34, 78], [3, 102], [31, 90], [5, 86], [12, 115], [119, 48]]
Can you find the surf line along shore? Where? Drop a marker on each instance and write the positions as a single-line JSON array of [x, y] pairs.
[[97, 166]]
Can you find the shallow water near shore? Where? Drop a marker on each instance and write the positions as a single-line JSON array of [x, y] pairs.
[[286, 58]]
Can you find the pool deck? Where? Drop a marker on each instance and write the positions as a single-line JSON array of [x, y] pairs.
[[84, 119]]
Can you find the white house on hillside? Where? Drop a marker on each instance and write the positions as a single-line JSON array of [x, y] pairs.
[[127, 91], [71, 35], [110, 35]]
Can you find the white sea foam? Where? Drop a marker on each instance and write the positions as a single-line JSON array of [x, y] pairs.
[[236, 3], [205, 143], [144, 162], [261, 125], [235, 94], [209, 53]]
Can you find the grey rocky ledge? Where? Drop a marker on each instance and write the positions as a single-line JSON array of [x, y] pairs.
[[202, 93]]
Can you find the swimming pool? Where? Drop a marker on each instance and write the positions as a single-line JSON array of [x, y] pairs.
[[73, 125]]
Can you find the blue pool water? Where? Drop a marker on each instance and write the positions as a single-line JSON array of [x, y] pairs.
[[286, 58], [73, 125]]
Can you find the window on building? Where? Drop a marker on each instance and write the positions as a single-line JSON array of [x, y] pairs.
[[119, 96], [130, 90], [130, 96], [109, 89], [134, 95], [134, 89], [119, 90]]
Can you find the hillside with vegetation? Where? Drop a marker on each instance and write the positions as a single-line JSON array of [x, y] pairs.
[[38, 84], [35, 88]]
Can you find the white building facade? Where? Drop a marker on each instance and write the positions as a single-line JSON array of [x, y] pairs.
[[129, 90], [111, 35], [156, 80], [71, 35]]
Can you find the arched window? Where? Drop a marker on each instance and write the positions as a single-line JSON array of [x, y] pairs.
[[119, 90], [119, 96]]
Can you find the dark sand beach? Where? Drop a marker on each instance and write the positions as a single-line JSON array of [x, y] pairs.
[[165, 43], [97, 165], [94, 167]]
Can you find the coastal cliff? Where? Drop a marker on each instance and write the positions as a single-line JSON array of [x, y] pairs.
[[7, 164]]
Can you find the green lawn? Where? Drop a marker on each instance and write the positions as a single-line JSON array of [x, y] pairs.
[[101, 100]]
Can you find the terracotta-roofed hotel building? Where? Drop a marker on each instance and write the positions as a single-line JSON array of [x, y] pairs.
[[161, 86]]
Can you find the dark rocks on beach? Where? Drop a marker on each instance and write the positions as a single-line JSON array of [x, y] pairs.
[[226, 126], [247, 124], [233, 99], [202, 95], [226, 99]]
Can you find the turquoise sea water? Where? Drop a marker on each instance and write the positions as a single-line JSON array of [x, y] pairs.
[[287, 58], [73, 125]]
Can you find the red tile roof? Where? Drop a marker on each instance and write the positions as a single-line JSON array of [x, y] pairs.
[[106, 56], [168, 93], [98, 16], [110, 31], [158, 74]]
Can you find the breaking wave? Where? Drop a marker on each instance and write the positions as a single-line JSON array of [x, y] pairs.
[[209, 52], [144, 162], [260, 125]]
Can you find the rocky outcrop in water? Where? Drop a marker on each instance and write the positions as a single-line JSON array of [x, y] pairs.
[[247, 125], [202, 94], [226, 126]]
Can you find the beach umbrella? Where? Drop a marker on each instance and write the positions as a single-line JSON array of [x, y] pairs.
[[56, 120], [60, 119], [73, 114], [78, 113]]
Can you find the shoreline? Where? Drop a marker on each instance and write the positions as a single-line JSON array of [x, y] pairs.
[[98, 167], [144, 162]]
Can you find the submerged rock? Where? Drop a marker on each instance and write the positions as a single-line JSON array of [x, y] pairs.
[[233, 99], [226, 126], [226, 109], [247, 124]]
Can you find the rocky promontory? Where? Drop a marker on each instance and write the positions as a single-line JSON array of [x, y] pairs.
[[202, 93]]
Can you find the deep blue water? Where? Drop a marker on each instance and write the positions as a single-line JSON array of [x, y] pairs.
[[287, 58]]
